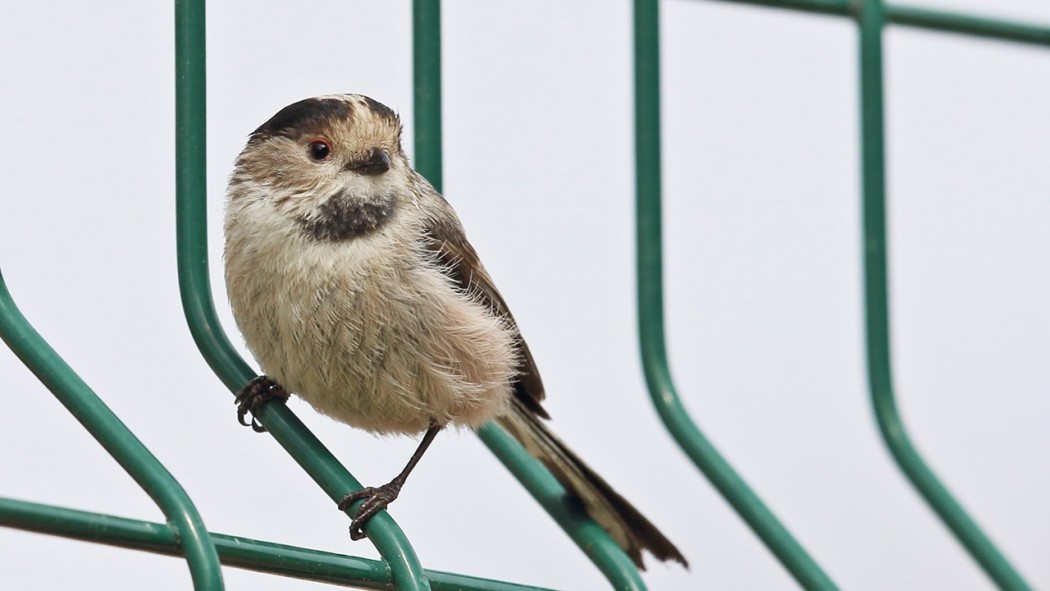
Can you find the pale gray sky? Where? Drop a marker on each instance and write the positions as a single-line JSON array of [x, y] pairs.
[[763, 271]]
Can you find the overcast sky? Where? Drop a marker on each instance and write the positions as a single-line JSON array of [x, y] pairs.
[[763, 278]]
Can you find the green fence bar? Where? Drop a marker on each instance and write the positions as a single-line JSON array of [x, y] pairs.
[[651, 316], [591, 538], [236, 551], [541, 484], [876, 292], [426, 79], [195, 289], [924, 18], [952, 22], [184, 533], [184, 522]]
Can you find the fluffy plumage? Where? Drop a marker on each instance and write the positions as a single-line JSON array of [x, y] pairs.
[[355, 288]]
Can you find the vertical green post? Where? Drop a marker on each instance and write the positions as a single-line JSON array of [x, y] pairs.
[[190, 194], [195, 289], [871, 19], [426, 78], [651, 316]]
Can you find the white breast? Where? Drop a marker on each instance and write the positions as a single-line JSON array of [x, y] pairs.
[[368, 331]]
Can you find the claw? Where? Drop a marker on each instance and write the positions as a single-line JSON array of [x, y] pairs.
[[251, 398], [375, 500]]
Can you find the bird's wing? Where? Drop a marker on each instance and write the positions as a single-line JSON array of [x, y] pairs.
[[446, 240]]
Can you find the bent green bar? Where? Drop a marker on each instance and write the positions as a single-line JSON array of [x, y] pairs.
[[116, 438], [951, 22], [195, 289], [923, 18], [651, 315], [877, 314], [236, 551], [190, 192], [588, 535], [835, 7]]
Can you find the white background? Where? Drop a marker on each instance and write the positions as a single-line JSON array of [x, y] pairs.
[[763, 277]]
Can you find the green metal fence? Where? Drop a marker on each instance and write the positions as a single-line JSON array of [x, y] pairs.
[[184, 533]]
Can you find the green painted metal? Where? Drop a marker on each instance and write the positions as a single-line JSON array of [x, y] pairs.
[[838, 7], [589, 536], [953, 22], [426, 77], [185, 533], [184, 521], [194, 284], [240, 552], [877, 314], [924, 18], [651, 314], [190, 195]]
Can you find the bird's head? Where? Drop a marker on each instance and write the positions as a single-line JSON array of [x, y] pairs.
[[333, 164]]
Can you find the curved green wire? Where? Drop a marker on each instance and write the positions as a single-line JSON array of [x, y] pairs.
[[871, 20], [588, 535], [236, 551], [194, 286], [651, 315], [550, 494], [922, 18], [116, 438]]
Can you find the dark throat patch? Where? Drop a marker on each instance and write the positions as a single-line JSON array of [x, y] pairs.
[[343, 218]]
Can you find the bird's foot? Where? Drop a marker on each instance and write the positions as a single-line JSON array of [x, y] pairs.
[[376, 499], [251, 397]]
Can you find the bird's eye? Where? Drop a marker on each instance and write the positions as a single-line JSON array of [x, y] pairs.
[[319, 149]]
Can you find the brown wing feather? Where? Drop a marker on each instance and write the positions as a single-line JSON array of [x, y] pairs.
[[628, 527], [460, 262]]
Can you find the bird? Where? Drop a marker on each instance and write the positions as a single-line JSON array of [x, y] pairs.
[[354, 286]]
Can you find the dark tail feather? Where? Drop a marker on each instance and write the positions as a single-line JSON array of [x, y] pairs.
[[625, 524]]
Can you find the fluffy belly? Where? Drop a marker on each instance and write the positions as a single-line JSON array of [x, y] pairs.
[[389, 352]]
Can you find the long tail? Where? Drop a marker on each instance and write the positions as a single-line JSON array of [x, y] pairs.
[[625, 524]]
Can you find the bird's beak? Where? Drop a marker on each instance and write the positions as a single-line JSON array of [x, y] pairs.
[[375, 162]]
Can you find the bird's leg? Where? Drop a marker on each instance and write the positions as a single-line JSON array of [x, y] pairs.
[[251, 397], [377, 498]]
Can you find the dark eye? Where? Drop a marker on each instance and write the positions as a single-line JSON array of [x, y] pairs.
[[319, 149]]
